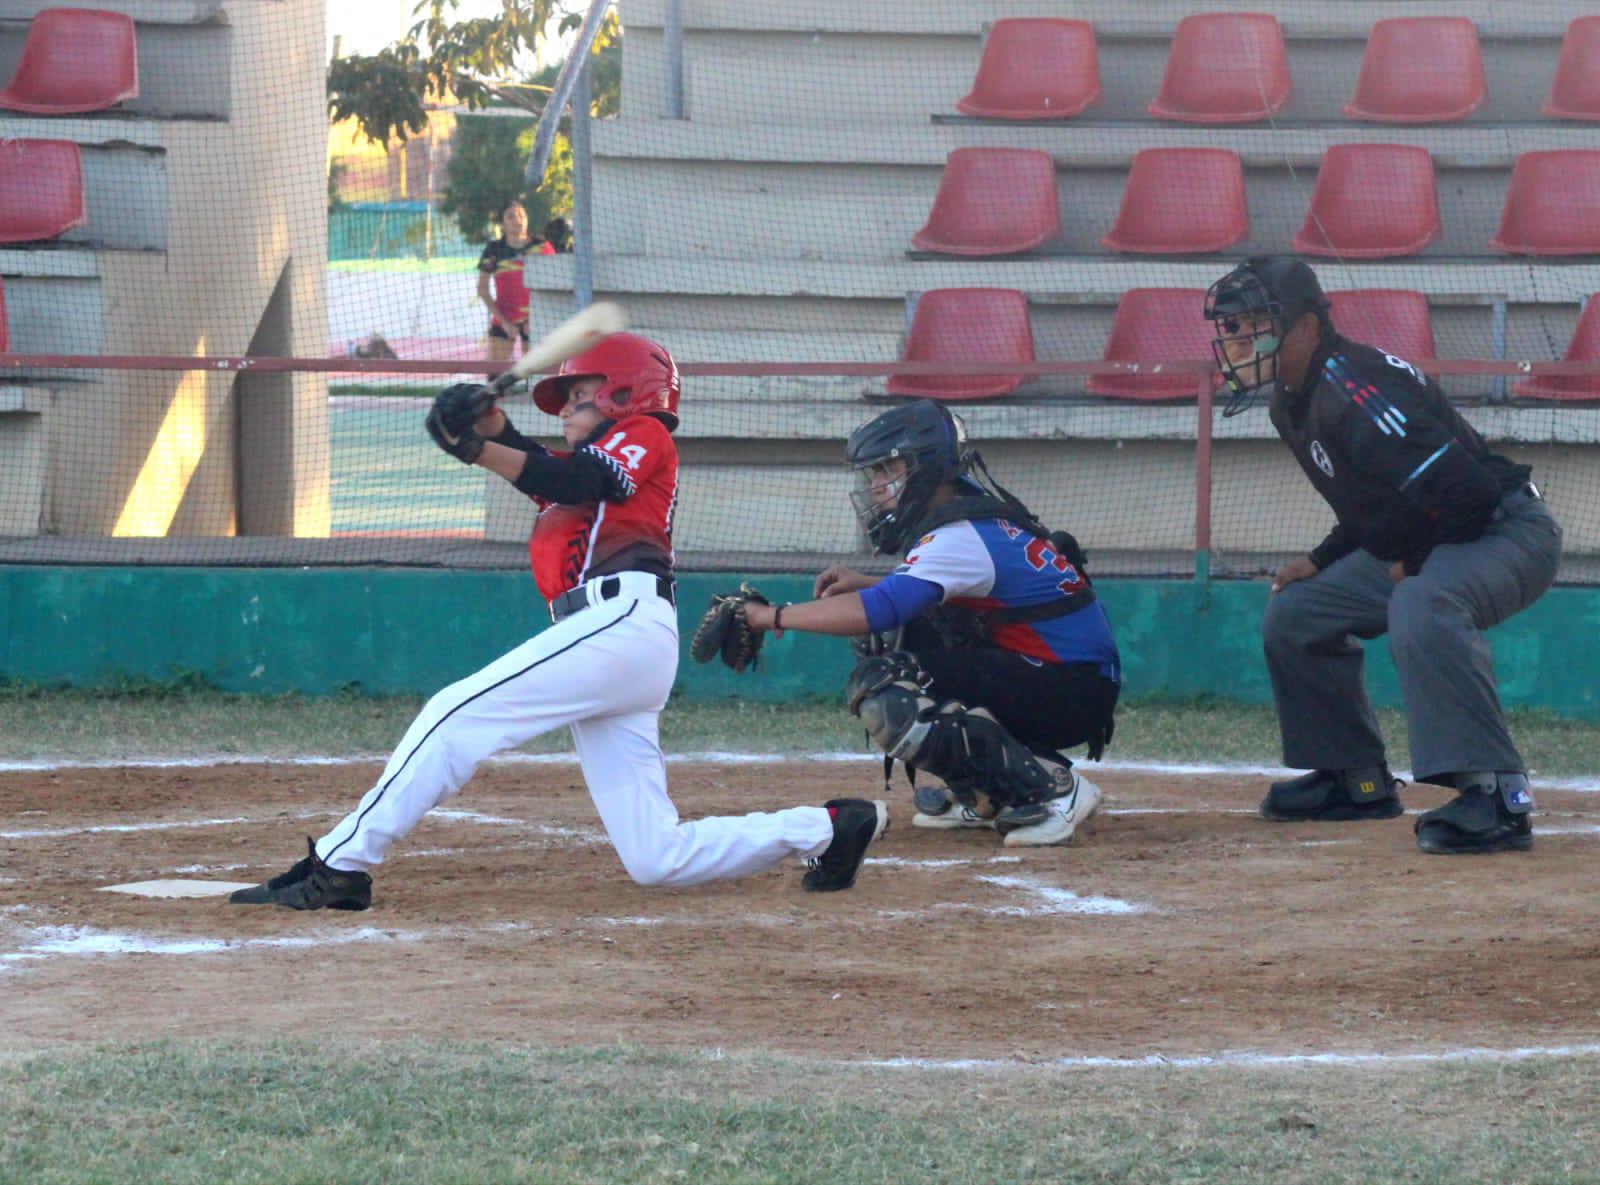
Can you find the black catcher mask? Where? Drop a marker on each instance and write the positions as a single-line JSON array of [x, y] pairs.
[[1259, 302], [898, 461]]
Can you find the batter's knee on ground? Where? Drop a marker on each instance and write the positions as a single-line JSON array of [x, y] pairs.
[[650, 867]]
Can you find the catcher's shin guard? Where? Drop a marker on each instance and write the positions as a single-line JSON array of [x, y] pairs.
[[967, 747]]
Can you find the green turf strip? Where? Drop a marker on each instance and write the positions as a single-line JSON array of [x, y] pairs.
[[185, 721], [413, 1112]]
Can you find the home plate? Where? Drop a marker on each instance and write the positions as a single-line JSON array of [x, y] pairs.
[[178, 888]]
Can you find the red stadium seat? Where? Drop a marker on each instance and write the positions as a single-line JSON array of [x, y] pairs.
[[1393, 320], [1155, 325], [41, 189], [1575, 94], [1553, 206], [1371, 201], [1419, 69], [75, 60], [993, 201], [1181, 201], [966, 325], [1035, 69], [1584, 347], [1224, 67]]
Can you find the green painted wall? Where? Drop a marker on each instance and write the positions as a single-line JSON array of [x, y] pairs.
[[384, 630]]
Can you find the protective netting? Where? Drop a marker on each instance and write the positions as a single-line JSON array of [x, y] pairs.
[[794, 203]]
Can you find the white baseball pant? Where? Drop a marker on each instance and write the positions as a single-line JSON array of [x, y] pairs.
[[605, 672]]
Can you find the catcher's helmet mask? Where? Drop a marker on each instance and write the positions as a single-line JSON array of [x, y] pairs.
[[930, 441], [1260, 302]]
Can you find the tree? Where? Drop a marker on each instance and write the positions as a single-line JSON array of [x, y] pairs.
[[387, 92], [486, 162], [490, 152]]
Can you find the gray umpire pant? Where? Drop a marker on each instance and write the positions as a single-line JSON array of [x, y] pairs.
[[1435, 622]]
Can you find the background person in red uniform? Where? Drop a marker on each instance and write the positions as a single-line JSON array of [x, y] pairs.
[[500, 265], [601, 551]]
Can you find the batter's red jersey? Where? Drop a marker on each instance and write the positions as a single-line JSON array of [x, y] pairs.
[[631, 530]]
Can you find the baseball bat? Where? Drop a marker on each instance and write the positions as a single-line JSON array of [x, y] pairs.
[[569, 339]]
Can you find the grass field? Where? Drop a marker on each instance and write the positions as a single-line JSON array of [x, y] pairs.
[[405, 1110], [189, 721]]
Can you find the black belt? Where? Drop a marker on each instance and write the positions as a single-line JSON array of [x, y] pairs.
[[605, 589]]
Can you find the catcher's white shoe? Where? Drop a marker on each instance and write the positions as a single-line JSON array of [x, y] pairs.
[[1042, 824], [937, 810]]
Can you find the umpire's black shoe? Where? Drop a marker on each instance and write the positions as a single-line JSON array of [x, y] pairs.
[[1334, 796], [1491, 813], [856, 823], [310, 884]]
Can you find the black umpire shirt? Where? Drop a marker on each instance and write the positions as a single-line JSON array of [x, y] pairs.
[[1400, 467]]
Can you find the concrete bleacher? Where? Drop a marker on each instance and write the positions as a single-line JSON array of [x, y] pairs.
[[900, 62], [124, 179], [185, 56], [773, 223], [193, 245]]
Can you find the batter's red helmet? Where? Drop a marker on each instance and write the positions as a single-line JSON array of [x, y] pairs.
[[640, 376]]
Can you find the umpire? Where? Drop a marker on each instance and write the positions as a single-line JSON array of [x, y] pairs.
[[1437, 538]]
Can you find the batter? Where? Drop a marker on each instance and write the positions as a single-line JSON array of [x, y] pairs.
[[601, 552]]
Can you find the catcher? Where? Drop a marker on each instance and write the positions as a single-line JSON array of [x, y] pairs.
[[1004, 657], [602, 556]]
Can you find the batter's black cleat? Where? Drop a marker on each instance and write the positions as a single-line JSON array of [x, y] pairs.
[[1490, 813], [1334, 796], [856, 823], [310, 884]]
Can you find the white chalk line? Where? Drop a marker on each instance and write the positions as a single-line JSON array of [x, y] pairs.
[[583, 835], [72, 941], [448, 816], [953, 862], [58, 941], [709, 757], [47, 942], [1057, 900], [1241, 1059]]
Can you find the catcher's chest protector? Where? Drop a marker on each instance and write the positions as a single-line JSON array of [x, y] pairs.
[[1034, 601]]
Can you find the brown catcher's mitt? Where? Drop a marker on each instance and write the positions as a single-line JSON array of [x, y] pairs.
[[723, 632]]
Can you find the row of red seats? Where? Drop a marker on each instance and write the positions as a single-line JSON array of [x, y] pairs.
[[1232, 67], [75, 60], [1157, 325], [1370, 201]]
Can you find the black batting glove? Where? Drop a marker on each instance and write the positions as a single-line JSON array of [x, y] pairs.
[[462, 443]]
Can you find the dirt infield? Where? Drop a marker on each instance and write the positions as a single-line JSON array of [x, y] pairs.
[[1179, 923]]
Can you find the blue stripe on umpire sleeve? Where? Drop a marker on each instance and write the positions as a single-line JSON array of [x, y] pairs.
[[1367, 397], [458, 707], [1420, 469]]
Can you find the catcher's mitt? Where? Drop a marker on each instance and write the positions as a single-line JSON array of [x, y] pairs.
[[723, 632]]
